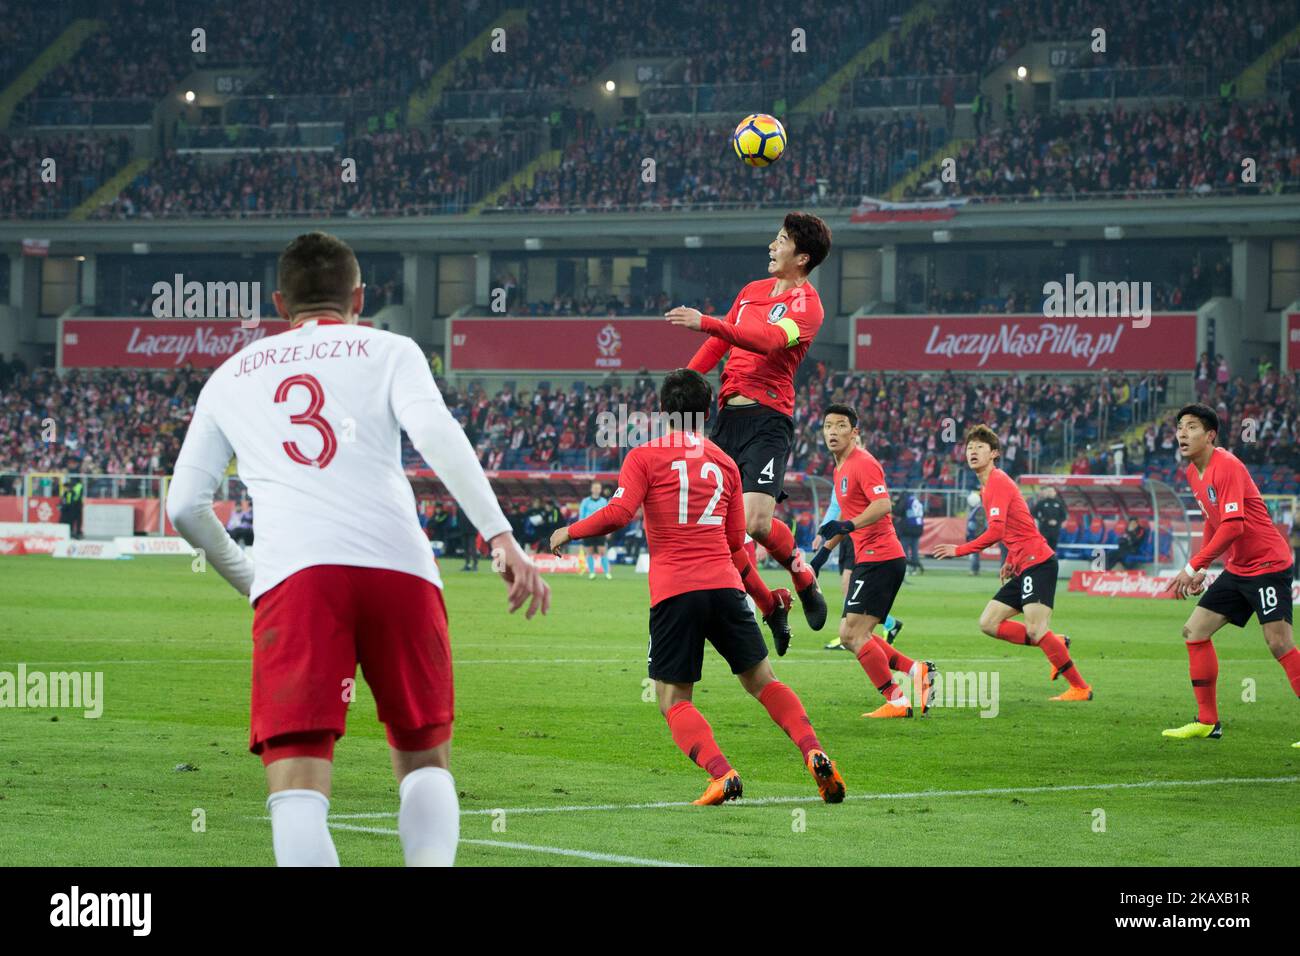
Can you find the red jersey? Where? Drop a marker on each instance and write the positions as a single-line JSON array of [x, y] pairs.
[[1011, 523], [694, 513], [1226, 492], [764, 337], [858, 482]]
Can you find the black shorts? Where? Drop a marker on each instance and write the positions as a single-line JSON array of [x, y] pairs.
[[759, 440], [1034, 585], [873, 587], [680, 625], [847, 557], [1237, 596]]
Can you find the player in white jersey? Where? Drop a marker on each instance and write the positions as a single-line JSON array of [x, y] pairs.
[[343, 574]]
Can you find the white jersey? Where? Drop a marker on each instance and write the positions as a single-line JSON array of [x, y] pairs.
[[314, 416]]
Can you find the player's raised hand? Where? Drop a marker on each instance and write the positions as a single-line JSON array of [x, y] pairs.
[[943, 551], [685, 318], [559, 541], [521, 575]]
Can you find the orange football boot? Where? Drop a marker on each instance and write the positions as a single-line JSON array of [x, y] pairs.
[[829, 782], [1076, 693], [720, 790], [890, 709]]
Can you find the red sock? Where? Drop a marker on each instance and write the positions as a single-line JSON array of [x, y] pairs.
[[784, 708], [780, 545], [1013, 632], [1057, 653], [692, 733], [1290, 662], [873, 661], [898, 661], [754, 586], [1203, 666]]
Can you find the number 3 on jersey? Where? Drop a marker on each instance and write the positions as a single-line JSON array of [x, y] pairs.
[[707, 470], [309, 416]]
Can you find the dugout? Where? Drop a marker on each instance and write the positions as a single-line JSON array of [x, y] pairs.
[[1100, 507]]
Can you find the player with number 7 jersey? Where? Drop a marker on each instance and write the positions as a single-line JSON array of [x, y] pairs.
[[694, 521], [343, 574]]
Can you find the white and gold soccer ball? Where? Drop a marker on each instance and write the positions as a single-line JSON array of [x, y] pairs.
[[759, 140]]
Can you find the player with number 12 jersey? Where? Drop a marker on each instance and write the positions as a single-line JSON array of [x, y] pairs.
[[694, 521]]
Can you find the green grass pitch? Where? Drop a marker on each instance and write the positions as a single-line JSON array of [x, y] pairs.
[[552, 728]]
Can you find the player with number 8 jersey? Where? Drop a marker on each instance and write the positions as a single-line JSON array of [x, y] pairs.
[[343, 574], [694, 521]]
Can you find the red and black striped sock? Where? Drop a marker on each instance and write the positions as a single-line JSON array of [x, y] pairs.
[[780, 545], [786, 710], [693, 735], [754, 585], [874, 662], [1059, 655], [1290, 662], [1203, 666]]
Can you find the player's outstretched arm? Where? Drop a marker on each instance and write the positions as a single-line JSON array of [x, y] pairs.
[[992, 535], [708, 355], [189, 506], [617, 513]]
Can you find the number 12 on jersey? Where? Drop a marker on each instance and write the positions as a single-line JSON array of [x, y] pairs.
[[707, 470]]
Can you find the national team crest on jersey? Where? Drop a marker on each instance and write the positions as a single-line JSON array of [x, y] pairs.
[[776, 313], [1209, 493], [844, 485]]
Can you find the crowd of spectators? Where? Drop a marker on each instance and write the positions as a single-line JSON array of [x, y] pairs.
[[131, 422], [118, 421], [25, 29], [1186, 148], [386, 47], [976, 36], [31, 189], [838, 161], [400, 173]]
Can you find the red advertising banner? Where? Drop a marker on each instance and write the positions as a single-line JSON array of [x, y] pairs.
[[156, 343], [1291, 343], [606, 343], [1084, 481], [1137, 584], [1023, 343]]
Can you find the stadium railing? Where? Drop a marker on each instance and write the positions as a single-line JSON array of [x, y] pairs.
[[867, 92], [1114, 82], [81, 111]]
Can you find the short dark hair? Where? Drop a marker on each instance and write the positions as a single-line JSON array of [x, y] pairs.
[[317, 271], [1208, 417], [985, 434], [809, 235], [686, 392], [845, 410]]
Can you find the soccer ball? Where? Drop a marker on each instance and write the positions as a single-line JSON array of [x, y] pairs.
[[759, 140]]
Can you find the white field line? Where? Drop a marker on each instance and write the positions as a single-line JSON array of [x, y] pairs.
[[915, 795], [531, 848]]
